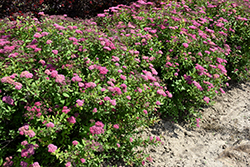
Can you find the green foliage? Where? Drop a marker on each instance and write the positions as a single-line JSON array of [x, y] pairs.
[[77, 91]]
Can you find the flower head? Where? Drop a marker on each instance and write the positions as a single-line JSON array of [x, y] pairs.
[[71, 120], [52, 148], [74, 142], [116, 126], [80, 102], [50, 124], [60, 78], [8, 99], [185, 45], [55, 52], [206, 99]]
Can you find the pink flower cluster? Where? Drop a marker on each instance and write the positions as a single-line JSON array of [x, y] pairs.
[[148, 76], [116, 126], [66, 110], [97, 128], [52, 148], [90, 85], [8, 99], [80, 102], [76, 78], [197, 85], [9, 80], [28, 151], [25, 164], [71, 120], [200, 69], [25, 130], [50, 124]]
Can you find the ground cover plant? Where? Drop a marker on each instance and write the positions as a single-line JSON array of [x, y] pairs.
[[75, 92]]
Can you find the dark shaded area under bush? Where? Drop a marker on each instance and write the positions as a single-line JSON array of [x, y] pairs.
[[83, 9]]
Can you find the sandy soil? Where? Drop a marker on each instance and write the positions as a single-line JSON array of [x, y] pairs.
[[222, 140]]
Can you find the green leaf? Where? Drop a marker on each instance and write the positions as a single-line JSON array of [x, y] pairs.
[[62, 101], [65, 94]]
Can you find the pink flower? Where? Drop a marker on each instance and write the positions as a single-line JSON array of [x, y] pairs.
[[169, 94], [200, 54], [76, 79], [113, 102], [50, 124], [185, 45], [60, 78], [123, 77], [198, 120], [65, 110], [139, 90], [91, 67], [26, 74], [68, 164], [82, 160], [37, 35], [145, 111], [116, 126], [24, 143], [23, 164], [197, 85], [161, 92], [48, 42], [97, 128], [206, 99], [8, 99], [120, 71], [71, 120], [131, 139], [55, 52], [13, 75], [107, 48], [128, 97], [78, 31], [118, 145], [222, 68], [107, 98], [222, 91], [74, 142], [80, 102], [54, 73], [80, 84], [35, 164], [103, 89], [158, 103], [47, 72], [103, 70], [31, 133], [95, 110], [207, 52], [37, 103], [124, 86], [101, 15]]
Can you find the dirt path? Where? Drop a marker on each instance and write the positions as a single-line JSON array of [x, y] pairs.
[[223, 139]]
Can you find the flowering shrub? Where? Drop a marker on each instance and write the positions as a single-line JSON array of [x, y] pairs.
[[79, 90], [188, 45]]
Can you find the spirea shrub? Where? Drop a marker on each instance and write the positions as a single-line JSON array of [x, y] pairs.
[[78, 91], [71, 82], [189, 44]]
